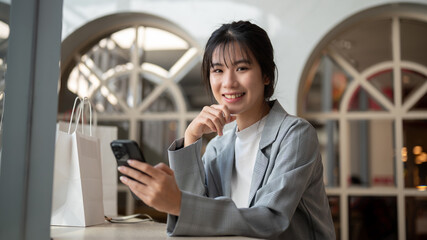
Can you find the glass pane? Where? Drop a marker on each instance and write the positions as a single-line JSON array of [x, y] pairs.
[[365, 44], [123, 39], [164, 103], [372, 153], [411, 82], [413, 35], [361, 100], [106, 100], [421, 104], [107, 54], [383, 82], [328, 134], [334, 204], [160, 47], [156, 138], [414, 154], [158, 39], [327, 87], [372, 218], [83, 82], [163, 58], [416, 218]]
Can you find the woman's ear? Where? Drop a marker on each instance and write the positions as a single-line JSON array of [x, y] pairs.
[[266, 80]]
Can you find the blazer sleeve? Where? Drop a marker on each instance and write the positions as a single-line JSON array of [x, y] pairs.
[[188, 167], [295, 159]]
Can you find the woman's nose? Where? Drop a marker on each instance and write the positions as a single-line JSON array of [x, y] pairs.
[[230, 79]]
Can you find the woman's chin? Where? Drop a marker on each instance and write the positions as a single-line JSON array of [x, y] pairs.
[[233, 111], [232, 108]]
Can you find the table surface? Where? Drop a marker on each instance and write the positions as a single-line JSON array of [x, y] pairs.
[[128, 231]]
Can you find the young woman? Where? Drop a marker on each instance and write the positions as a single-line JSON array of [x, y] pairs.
[[263, 178]]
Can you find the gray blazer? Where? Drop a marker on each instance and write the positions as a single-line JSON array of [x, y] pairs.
[[287, 197]]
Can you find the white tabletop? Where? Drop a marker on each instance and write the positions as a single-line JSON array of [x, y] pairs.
[[129, 231]]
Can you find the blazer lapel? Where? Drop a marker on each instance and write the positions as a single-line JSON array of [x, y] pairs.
[[261, 164], [269, 134], [226, 163]]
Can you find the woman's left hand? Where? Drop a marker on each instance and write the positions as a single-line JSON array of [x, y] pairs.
[[156, 185]]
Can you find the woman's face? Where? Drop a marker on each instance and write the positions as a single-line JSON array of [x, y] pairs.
[[237, 81]]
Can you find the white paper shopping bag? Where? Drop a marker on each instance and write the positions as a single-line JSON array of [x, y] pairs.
[[77, 188], [105, 134]]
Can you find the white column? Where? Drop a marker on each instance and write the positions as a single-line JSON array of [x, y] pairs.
[[29, 119]]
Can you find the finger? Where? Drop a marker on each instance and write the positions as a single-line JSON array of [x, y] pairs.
[[225, 111], [145, 168], [217, 122], [135, 174], [135, 186], [144, 192], [164, 168], [205, 122], [216, 113]]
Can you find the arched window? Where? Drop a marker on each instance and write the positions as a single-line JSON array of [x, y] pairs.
[[365, 90], [142, 74]]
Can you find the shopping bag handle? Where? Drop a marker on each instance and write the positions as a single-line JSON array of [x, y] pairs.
[[72, 114], [94, 115], [82, 106], [80, 112]]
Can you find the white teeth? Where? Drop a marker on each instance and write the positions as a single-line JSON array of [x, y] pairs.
[[232, 96]]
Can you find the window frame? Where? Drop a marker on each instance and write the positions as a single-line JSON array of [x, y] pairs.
[[397, 111]]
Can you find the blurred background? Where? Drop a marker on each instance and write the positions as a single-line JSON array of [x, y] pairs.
[[356, 69]]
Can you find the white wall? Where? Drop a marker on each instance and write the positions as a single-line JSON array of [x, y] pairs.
[[295, 27]]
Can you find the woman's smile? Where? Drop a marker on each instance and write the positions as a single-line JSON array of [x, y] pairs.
[[233, 97]]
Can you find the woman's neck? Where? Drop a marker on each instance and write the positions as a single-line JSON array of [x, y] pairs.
[[244, 121]]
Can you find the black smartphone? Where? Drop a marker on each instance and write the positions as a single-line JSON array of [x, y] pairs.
[[124, 150]]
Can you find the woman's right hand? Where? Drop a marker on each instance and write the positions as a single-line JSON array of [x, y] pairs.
[[210, 119]]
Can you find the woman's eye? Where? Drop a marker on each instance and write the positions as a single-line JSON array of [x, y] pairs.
[[242, 68], [216, 70]]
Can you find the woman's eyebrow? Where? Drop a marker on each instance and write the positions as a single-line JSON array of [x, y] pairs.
[[216, 64], [247, 61]]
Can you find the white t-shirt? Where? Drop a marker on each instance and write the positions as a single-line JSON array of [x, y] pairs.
[[246, 147]]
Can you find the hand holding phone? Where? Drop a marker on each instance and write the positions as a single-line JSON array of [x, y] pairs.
[[124, 150]]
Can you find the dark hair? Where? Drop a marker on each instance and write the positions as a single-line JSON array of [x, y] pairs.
[[251, 38]]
